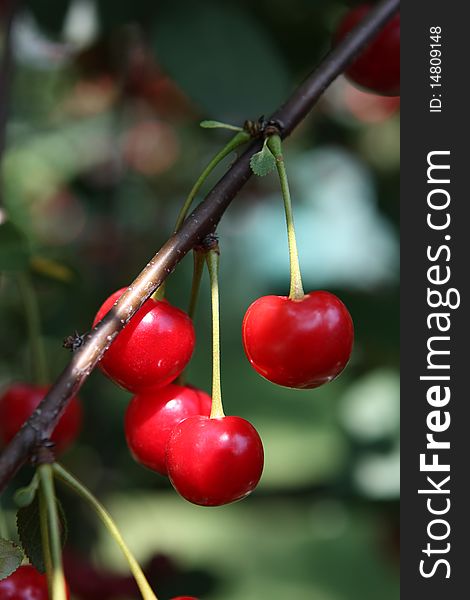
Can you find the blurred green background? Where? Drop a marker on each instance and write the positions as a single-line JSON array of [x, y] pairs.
[[103, 144]]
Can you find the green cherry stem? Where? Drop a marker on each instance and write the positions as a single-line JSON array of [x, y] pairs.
[[33, 319], [46, 545], [212, 258], [296, 287], [106, 519], [198, 268], [240, 138], [54, 567], [199, 259]]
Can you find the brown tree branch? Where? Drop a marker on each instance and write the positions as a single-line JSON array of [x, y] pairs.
[[202, 221]]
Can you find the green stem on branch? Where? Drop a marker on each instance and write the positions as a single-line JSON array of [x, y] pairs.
[[198, 268], [296, 287], [106, 519], [33, 319], [199, 260], [212, 258], [46, 546], [55, 569], [240, 138]]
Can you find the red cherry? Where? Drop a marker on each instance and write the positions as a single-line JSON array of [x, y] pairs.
[[153, 348], [378, 66], [26, 583], [214, 461], [298, 343], [18, 403], [151, 417]]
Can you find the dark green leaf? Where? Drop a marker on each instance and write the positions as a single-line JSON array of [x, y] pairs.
[[14, 248], [11, 557], [29, 531], [263, 162]]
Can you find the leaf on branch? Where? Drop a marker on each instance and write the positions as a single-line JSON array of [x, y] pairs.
[[14, 248], [219, 125], [29, 532], [11, 557], [263, 162]]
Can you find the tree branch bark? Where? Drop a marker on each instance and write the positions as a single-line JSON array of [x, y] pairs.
[[202, 221]]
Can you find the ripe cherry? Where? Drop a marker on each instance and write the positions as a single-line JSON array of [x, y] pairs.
[[26, 583], [214, 461], [153, 348], [151, 417], [378, 66], [300, 343], [18, 403]]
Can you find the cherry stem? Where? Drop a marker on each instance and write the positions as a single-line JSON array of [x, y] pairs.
[[106, 519], [240, 138], [198, 268], [296, 287], [33, 319], [55, 572], [46, 546], [217, 409]]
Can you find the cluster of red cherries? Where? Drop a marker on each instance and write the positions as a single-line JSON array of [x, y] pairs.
[[210, 461]]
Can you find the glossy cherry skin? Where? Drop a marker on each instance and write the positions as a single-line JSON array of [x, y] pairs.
[[152, 349], [26, 583], [17, 404], [151, 417], [298, 343], [212, 462], [377, 67]]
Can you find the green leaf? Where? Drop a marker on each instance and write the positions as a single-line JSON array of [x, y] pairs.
[[11, 557], [24, 496], [29, 531], [219, 125], [14, 248], [263, 162], [223, 58]]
